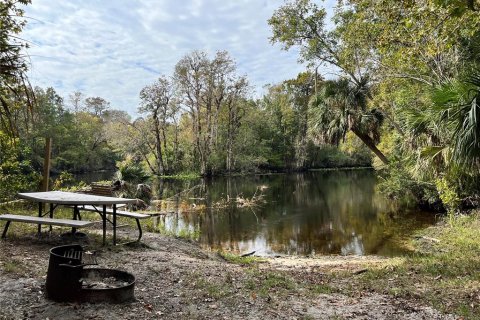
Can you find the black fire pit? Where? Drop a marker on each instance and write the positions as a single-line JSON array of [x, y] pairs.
[[68, 280]]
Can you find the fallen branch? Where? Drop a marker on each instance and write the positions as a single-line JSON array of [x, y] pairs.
[[248, 254]]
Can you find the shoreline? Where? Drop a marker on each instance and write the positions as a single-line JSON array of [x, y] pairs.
[[176, 279]]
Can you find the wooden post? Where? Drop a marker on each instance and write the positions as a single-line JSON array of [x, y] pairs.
[[46, 177], [46, 163]]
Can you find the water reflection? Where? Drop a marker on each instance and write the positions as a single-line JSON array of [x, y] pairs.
[[323, 212]]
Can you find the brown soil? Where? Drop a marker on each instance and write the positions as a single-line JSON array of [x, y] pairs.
[[176, 279]]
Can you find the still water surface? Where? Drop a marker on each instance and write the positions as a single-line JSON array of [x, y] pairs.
[[318, 212]]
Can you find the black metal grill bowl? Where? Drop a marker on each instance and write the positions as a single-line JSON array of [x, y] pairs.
[[120, 293]]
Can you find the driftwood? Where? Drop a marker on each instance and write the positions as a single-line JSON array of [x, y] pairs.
[[248, 254]]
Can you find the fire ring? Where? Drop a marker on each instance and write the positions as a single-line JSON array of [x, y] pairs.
[[68, 280]]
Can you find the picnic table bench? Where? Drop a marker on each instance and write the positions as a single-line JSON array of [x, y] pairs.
[[128, 214], [41, 220]]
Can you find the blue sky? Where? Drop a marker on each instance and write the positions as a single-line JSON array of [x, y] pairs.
[[113, 49]]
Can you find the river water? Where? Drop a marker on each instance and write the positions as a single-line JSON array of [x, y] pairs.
[[318, 212]]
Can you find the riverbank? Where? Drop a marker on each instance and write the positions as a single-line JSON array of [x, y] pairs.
[[443, 271], [176, 279]]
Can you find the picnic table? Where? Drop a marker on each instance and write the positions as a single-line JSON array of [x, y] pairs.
[[77, 201]]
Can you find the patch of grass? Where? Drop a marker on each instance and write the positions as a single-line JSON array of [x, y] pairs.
[[465, 310], [322, 289], [189, 234], [13, 266], [278, 280], [212, 289], [265, 282]]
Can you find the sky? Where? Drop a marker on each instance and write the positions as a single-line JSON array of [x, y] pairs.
[[113, 49]]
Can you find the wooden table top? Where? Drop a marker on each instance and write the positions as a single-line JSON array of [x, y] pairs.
[[72, 198]]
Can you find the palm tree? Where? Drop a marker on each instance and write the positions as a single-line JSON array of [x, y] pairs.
[[340, 107], [459, 106]]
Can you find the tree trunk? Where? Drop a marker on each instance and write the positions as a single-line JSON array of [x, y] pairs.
[[47, 164], [301, 142], [164, 136], [175, 147], [158, 145], [145, 157], [229, 144], [369, 143]]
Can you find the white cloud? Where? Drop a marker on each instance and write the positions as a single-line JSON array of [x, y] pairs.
[[113, 49]]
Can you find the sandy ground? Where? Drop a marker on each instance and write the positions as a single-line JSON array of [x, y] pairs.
[[176, 279]]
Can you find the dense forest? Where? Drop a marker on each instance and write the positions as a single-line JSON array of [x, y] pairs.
[[404, 99]]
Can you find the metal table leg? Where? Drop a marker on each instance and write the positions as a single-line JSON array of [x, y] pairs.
[[104, 218], [40, 209], [4, 234], [114, 224], [76, 215], [51, 214]]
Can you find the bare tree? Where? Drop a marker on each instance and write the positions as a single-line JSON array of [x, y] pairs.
[[156, 101], [205, 88], [76, 101], [191, 74]]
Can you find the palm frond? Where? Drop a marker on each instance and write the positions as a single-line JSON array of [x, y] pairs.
[[432, 151], [467, 133]]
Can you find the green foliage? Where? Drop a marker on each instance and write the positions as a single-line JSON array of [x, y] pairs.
[[357, 150], [16, 171], [183, 176], [65, 179], [422, 58], [79, 139], [327, 156], [339, 108], [448, 194], [131, 171], [397, 183], [15, 97], [461, 110]]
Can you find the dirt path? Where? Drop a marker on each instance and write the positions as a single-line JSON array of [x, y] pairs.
[[177, 280]]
